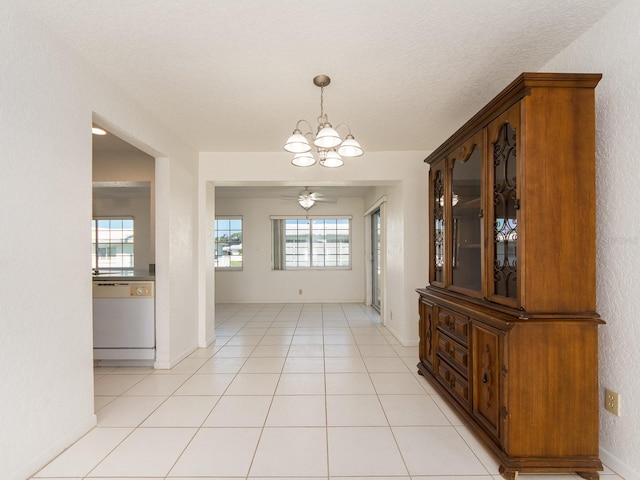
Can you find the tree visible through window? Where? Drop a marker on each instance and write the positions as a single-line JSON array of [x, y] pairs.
[[311, 243], [112, 243], [228, 242]]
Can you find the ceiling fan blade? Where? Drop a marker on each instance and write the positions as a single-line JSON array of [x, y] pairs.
[[307, 193], [326, 200], [317, 196]]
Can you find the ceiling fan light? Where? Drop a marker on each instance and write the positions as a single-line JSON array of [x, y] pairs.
[[297, 143], [350, 147], [306, 201], [332, 160], [327, 137], [303, 159]]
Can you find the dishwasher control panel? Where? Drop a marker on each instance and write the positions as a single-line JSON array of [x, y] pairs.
[[140, 290], [133, 289]]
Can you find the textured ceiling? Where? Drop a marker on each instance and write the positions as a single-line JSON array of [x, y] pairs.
[[236, 75]]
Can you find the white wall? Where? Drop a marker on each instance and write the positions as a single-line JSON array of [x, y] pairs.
[[176, 268], [402, 174], [611, 47], [49, 97], [206, 272], [259, 283]]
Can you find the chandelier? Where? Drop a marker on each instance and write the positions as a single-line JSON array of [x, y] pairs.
[[330, 148]]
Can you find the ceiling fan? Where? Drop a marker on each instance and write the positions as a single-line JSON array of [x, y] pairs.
[[307, 198]]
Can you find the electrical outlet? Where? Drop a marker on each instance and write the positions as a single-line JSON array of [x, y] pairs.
[[612, 402], [300, 292]]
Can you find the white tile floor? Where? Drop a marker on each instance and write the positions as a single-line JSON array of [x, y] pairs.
[[287, 391]]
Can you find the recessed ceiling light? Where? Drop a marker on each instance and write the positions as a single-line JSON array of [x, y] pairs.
[[98, 131]]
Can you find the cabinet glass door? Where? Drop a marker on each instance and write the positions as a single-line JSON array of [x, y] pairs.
[[437, 269], [505, 206], [466, 179]]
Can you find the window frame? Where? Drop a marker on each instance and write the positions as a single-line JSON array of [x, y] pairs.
[[95, 244], [223, 268], [279, 243]]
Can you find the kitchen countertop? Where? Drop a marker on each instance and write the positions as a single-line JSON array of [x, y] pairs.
[[123, 275]]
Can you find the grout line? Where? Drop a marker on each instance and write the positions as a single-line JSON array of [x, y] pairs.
[[351, 322]]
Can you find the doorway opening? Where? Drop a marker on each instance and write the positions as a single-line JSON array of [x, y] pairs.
[[123, 252]]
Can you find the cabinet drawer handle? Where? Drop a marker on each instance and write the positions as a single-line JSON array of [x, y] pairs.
[[452, 351], [484, 378]]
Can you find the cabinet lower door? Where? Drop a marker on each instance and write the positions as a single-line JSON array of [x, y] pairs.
[[426, 333], [487, 397]]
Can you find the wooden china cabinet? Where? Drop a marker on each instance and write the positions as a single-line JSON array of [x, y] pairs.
[[508, 328]]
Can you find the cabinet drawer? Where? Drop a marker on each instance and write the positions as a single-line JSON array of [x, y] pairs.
[[455, 352], [454, 323], [455, 382]]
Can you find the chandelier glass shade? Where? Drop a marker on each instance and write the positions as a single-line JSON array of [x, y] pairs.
[[330, 147], [304, 159], [330, 159]]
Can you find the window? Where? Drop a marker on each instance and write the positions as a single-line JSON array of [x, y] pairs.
[[311, 243], [112, 243], [228, 243]]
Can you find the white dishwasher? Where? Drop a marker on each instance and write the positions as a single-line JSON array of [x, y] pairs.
[[123, 322]]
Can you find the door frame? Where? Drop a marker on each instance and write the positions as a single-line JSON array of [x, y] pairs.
[[379, 204]]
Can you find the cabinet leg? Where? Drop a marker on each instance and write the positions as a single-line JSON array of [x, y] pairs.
[[589, 475], [420, 373], [508, 474]]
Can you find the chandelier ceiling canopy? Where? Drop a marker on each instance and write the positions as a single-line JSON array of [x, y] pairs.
[[330, 147]]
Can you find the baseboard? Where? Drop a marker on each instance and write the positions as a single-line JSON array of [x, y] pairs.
[[403, 341], [618, 466], [294, 300], [173, 362], [42, 460]]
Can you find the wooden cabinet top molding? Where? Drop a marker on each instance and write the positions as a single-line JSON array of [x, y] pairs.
[[513, 93]]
